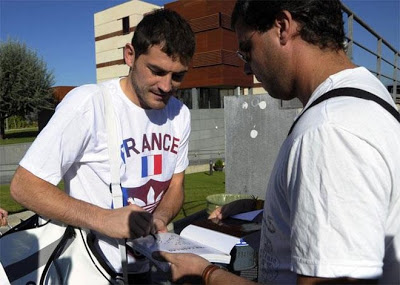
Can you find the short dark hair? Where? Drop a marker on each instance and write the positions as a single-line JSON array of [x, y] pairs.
[[167, 28], [321, 20]]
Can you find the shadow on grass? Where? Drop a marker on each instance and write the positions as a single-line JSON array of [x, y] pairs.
[[26, 134], [208, 173]]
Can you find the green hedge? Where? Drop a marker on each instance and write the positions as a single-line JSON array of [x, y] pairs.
[[17, 122]]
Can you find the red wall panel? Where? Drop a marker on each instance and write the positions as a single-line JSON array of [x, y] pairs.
[[215, 63]]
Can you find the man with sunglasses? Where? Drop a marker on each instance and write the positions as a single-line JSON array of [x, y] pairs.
[[332, 205], [152, 128]]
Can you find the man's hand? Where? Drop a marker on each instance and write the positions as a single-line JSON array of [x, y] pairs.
[[160, 226], [128, 222], [233, 208], [186, 265], [183, 264], [170, 204], [3, 217]]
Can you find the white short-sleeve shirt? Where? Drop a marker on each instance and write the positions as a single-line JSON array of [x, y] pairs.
[[333, 199], [73, 147]]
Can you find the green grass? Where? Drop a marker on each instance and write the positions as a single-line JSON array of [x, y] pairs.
[[6, 202], [197, 187]]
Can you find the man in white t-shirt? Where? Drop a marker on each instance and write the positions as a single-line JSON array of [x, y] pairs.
[[153, 128], [332, 206]]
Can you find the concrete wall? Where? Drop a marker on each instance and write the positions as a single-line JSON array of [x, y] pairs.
[[10, 155], [255, 128], [207, 140]]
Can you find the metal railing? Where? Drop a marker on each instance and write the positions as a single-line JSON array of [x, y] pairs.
[[390, 80]]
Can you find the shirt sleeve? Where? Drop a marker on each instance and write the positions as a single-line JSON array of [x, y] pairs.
[[63, 139], [338, 193]]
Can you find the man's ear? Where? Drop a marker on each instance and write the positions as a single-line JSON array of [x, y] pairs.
[[285, 23], [129, 55]]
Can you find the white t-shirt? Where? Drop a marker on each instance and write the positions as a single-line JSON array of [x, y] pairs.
[[332, 206], [73, 147]]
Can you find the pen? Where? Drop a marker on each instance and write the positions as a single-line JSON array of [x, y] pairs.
[[154, 236], [132, 202]]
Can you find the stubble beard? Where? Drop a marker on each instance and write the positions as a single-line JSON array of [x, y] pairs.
[[143, 93]]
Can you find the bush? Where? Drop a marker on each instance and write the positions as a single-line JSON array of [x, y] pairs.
[[219, 163], [18, 122]]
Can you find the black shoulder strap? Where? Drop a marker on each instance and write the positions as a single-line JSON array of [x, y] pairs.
[[68, 234], [351, 92]]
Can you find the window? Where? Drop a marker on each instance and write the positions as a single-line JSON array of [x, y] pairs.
[[185, 96], [209, 98], [125, 25]]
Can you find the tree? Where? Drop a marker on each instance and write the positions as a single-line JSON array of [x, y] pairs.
[[25, 82]]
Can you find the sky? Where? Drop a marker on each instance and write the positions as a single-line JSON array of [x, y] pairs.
[[62, 32]]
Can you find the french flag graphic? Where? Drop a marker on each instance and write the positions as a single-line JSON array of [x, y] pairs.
[[151, 165]]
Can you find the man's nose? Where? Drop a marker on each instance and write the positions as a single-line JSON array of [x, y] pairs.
[[247, 69], [165, 83]]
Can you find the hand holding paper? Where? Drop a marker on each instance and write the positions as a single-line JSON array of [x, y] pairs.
[[183, 264], [233, 208], [211, 245]]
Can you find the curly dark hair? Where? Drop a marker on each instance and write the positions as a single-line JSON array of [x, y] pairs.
[[167, 28], [321, 20]]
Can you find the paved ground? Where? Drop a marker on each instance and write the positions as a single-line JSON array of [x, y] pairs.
[[15, 219]]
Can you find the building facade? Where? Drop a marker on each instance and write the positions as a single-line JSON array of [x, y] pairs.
[[113, 28], [216, 70]]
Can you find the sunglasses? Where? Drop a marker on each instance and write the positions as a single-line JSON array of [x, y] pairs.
[[244, 49]]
